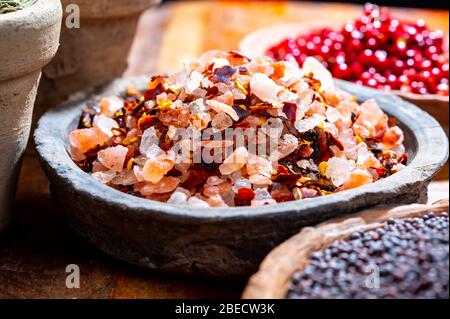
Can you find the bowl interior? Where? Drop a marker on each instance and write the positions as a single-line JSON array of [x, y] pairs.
[[422, 132]]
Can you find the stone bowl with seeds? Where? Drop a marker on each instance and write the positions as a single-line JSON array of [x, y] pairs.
[[195, 231], [382, 253]]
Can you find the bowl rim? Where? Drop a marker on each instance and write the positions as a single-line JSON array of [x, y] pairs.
[[274, 276], [263, 38], [51, 141]]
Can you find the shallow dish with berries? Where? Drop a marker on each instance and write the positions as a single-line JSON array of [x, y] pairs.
[[132, 175], [376, 50]]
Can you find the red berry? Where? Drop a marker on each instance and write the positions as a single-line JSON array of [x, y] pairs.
[[377, 50]]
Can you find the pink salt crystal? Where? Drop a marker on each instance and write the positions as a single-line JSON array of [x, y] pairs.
[[98, 167], [287, 146], [221, 121], [347, 138], [222, 107], [273, 127], [265, 88], [210, 190], [237, 94], [316, 108], [307, 165], [348, 109], [86, 139], [260, 180], [178, 198], [219, 63], [228, 198], [75, 154], [125, 178], [366, 158], [149, 139], [113, 157], [308, 193], [183, 190], [312, 65], [262, 197], [333, 115], [224, 187], [105, 125], [104, 177], [182, 164], [277, 112], [305, 125], [216, 201], [156, 168], [165, 185], [292, 73], [138, 172], [235, 161], [131, 122], [194, 81], [372, 121], [110, 105], [214, 181], [358, 178], [393, 136], [195, 202], [258, 165], [252, 120], [227, 97], [197, 107], [339, 170]]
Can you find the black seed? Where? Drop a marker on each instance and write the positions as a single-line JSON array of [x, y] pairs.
[[412, 258]]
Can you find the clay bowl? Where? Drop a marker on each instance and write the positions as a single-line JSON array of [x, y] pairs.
[[275, 273], [221, 243], [257, 43]]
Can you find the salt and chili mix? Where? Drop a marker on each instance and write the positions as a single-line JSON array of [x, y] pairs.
[[185, 139]]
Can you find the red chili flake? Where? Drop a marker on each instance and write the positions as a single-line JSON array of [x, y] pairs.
[[305, 150], [242, 124], [279, 69], [236, 58], [334, 141], [152, 93], [283, 170], [261, 107], [403, 159], [147, 121], [282, 195], [197, 176], [246, 193], [290, 109], [381, 171]]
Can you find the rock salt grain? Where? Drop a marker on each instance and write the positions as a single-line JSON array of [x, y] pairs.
[[265, 88], [113, 157], [339, 170]]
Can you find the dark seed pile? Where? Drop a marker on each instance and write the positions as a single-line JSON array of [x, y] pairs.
[[402, 259]]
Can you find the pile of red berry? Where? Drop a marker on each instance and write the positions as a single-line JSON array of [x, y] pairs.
[[379, 51]]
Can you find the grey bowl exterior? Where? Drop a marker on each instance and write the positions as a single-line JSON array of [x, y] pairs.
[[220, 243]]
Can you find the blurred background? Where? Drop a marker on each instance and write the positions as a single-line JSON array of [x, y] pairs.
[[438, 4]]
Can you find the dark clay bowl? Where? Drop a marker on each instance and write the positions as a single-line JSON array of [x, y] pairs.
[[221, 243]]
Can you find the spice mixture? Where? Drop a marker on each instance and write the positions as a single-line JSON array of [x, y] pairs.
[[230, 131]]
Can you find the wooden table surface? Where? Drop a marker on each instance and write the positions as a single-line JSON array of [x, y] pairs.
[[37, 247]]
